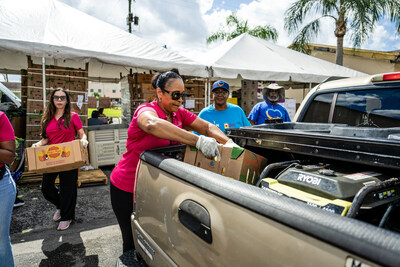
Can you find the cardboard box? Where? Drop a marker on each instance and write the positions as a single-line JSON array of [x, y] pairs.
[[92, 102], [241, 164], [143, 78], [236, 163], [57, 157], [190, 155]]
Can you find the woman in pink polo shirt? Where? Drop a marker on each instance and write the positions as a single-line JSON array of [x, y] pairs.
[[60, 125], [160, 123], [7, 189]]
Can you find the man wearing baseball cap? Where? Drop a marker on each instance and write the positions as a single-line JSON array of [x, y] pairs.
[[269, 109], [223, 114]]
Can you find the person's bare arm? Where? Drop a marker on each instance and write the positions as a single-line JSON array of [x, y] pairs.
[[252, 122], [206, 128], [7, 152], [149, 122]]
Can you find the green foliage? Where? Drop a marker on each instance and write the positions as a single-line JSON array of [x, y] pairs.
[[239, 27], [358, 16], [97, 95], [18, 144]]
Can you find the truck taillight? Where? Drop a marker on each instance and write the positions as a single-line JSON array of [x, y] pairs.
[[386, 77], [391, 77]]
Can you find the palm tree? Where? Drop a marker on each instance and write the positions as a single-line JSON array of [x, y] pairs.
[[265, 32], [359, 16]]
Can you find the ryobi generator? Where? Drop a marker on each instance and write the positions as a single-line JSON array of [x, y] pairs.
[[334, 189]]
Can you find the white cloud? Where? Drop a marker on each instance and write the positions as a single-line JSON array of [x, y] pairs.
[[184, 25]]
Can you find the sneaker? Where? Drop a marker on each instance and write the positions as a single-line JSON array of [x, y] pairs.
[[63, 225], [57, 215], [18, 202]]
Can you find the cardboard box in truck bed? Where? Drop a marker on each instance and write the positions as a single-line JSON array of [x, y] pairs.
[[58, 157], [235, 162]]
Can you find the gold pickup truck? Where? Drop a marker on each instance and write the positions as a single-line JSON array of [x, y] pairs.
[[329, 196]]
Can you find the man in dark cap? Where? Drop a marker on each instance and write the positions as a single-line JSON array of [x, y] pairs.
[[269, 109], [223, 114]]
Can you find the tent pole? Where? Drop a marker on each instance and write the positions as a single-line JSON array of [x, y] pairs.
[[209, 92], [44, 81], [205, 92]]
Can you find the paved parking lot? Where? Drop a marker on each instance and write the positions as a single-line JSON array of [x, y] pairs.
[[94, 238]]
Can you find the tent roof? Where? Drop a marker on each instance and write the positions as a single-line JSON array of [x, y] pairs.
[[48, 28], [256, 59]]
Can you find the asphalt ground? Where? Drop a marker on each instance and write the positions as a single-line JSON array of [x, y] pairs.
[[94, 238]]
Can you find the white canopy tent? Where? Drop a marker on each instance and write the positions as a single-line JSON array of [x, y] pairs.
[[51, 29], [256, 59]]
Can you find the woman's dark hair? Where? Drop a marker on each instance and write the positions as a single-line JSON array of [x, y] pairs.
[[160, 80], [100, 110], [51, 110]]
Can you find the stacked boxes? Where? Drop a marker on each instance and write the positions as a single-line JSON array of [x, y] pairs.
[[74, 81], [140, 89], [104, 102], [249, 95], [92, 102], [195, 91]]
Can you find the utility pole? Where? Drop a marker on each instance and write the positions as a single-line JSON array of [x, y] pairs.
[[130, 15], [130, 18]]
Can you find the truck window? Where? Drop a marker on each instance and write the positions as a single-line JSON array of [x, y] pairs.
[[370, 108], [319, 109]]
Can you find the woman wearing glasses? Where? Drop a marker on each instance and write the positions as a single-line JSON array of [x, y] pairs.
[[160, 123], [60, 125]]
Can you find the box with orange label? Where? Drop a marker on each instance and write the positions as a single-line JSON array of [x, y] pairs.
[[57, 157]]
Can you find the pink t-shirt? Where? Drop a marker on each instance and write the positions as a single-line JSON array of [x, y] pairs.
[[123, 175], [7, 132], [57, 133]]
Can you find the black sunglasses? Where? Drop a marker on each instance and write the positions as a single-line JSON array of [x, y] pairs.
[[176, 94], [62, 98]]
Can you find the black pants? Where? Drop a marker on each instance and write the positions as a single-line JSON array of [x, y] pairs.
[[65, 198], [122, 204]]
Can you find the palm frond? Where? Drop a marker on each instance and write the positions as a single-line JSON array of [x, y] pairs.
[[219, 35], [393, 10], [297, 12], [265, 32], [302, 40], [232, 19]]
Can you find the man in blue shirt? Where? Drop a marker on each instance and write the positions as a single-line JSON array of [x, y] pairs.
[[269, 109], [223, 114]]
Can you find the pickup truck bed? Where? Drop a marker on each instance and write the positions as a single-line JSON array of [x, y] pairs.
[[370, 146], [188, 216]]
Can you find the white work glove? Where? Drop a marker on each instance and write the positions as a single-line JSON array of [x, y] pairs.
[[36, 144], [208, 146], [84, 142], [230, 143]]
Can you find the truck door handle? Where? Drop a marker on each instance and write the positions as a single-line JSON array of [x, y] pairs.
[[196, 218]]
